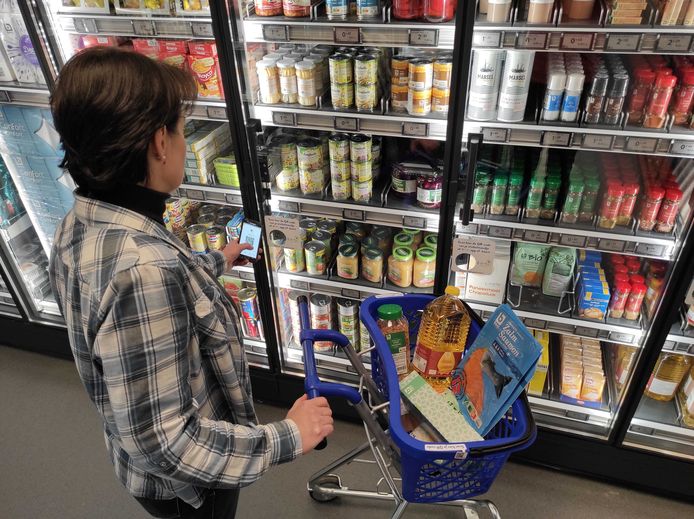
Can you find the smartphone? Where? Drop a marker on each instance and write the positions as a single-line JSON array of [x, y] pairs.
[[251, 233]]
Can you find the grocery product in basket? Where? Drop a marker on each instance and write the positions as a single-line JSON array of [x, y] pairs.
[[442, 338], [529, 261], [558, 270], [497, 366], [436, 410], [395, 329]]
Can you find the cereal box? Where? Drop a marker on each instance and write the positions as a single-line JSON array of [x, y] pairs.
[[204, 65]]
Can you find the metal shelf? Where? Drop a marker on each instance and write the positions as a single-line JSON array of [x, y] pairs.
[[570, 418], [642, 142], [339, 287], [214, 194], [577, 237], [28, 94], [209, 110], [148, 26], [16, 228]]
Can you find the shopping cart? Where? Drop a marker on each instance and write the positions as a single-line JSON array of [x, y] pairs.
[[442, 473]]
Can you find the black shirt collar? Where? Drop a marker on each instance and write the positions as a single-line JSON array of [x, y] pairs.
[[142, 200]]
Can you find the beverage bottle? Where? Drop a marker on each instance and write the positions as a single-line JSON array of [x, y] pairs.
[[441, 339], [667, 376]]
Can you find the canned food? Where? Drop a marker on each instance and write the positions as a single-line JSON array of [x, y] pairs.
[[443, 69], [360, 148], [338, 146], [222, 221], [340, 66], [216, 237], [400, 70], [361, 171], [398, 98], [340, 171], [309, 154], [287, 147], [227, 212], [207, 220], [294, 260], [342, 189], [196, 238], [364, 337], [440, 100], [248, 301], [342, 95], [348, 319], [361, 191], [316, 258], [367, 9], [419, 102], [366, 97], [321, 319], [328, 225], [365, 69], [173, 206], [294, 314], [336, 9], [311, 181], [307, 226], [287, 179], [421, 74], [326, 239], [205, 209]]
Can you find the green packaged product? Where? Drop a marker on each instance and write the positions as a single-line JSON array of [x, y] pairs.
[[558, 270], [529, 262]]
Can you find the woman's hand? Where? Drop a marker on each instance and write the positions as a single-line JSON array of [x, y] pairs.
[[232, 252]]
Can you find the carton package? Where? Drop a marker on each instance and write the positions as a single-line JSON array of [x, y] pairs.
[[19, 49], [537, 383], [582, 375], [204, 64], [485, 277], [6, 73]]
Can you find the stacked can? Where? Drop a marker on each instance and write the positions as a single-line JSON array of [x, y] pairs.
[[250, 313], [340, 166], [293, 297], [288, 177], [441, 91], [309, 156], [366, 82], [420, 83], [174, 217], [361, 161], [399, 83], [321, 319], [348, 317], [341, 80]]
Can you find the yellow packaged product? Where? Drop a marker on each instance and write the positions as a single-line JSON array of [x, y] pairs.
[[593, 385], [537, 383], [571, 381]]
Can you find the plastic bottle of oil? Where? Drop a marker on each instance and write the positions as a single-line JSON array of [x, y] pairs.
[[441, 339], [667, 376]]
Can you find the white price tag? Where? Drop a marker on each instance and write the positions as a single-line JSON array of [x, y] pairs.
[[196, 194], [556, 139], [217, 113], [215, 196], [500, 232], [202, 29], [299, 285], [86, 25], [532, 40], [144, 28], [346, 124], [538, 236], [424, 37], [234, 200], [641, 144], [650, 249], [584, 331], [612, 245], [572, 240], [597, 142], [682, 147], [288, 207], [468, 229], [495, 134], [414, 222], [486, 39], [276, 32], [674, 42], [537, 324], [284, 118], [577, 41], [353, 214], [347, 35], [351, 294], [623, 42], [411, 129], [624, 338]]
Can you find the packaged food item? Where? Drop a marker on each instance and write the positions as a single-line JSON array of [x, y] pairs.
[[400, 265], [424, 268], [268, 7], [339, 147], [320, 306], [669, 208], [196, 238], [362, 191], [632, 308], [203, 62], [296, 8], [429, 190], [529, 262], [288, 85], [593, 298], [667, 376], [294, 259], [372, 265], [215, 237], [360, 148], [620, 295], [306, 82], [558, 271], [395, 329], [348, 262], [316, 258], [146, 47], [537, 383], [348, 320]]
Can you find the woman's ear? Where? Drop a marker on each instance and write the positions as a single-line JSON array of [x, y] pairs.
[[157, 146]]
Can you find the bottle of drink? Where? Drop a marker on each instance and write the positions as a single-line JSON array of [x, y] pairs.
[[667, 376], [441, 339]]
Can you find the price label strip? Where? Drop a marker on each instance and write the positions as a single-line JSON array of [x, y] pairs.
[[532, 40], [495, 134], [584, 331], [486, 39], [202, 29], [284, 119], [144, 27], [682, 148], [289, 207], [350, 293], [276, 32], [347, 35], [196, 194], [674, 42], [597, 142], [217, 112], [423, 37], [650, 249], [641, 144], [537, 236], [623, 42], [624, 338], [572, 240], [414, 222], [299, 285], [411, 129], [87, 25], [500, 232], [577, 41], [346, 124], [556, 139], [5, 97], [353, 214], [612, 245]]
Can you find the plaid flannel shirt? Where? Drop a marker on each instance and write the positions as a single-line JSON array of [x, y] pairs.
[[155, 343]]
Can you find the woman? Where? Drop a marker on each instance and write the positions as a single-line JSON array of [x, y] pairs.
[[152, 332]]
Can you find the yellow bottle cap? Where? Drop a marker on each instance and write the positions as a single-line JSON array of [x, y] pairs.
[[453, 291]]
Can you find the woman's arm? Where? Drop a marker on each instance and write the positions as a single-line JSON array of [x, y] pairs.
[[143, 344]]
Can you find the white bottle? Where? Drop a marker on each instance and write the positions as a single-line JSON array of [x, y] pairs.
[[556, 81], [484, 84], [515, 83], [572, 96]]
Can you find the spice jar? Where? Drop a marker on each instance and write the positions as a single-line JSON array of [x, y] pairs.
[[497, 205], [296, 8], [650, 206], [437, 11], [614, 102], [626, 208], [372, 265], [348, 262], [683, 99], [534, 200], [596, 97], [515, 182], [305, 82], [572, 202], [408, 9], [609, 207], [429, 190], [424, 268], [403, 181], [479, 195], [400, 265], [268, 7], [589, 200], [620, 295], [550, 197], [632, 309], [665, 222], [656, 112], [288, 87], [640, 91]]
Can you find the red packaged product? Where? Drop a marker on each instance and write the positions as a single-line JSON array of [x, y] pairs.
[[204, 65], [656, 111], [620, 278], [620, 269], [147, 47], [636, 279], [173, 52], [609, 207], [650, 205], [99, 41], [618, 302], [268, 7], [634, 266], [640, 90], [665, 222], [632, 310], [626, 208], [408, 9], [437, 11]]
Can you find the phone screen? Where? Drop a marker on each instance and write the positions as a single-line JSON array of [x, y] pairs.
[[251, 234]]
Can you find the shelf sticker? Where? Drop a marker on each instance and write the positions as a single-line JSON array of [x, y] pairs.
[[624, 338], [650, 249], [247, 276], [598, 142], [572, 240], [575, 415], [611, 245], [560, 327], [623, 42], [412, 129], [289, 207], [537, 236], [641, 144], [473, 254], [196, 194], [346, 124], [284, 230], [414, 222], [353, 214], [532, 40], [347, 35], [217, 113], [577, 41], [423, 37], [674, 42], [468, 229], [537, 324], [486, 39], [234, 199], [584, 331], [284, 118], [556, 139], [86, 25], [144, 28], [276, 32], [350, 293], [682, 147], [215, 196], [500, 232], [298, 285], [494, 134], [202, 29]]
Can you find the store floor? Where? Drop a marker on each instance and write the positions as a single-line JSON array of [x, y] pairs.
[[53, 465]]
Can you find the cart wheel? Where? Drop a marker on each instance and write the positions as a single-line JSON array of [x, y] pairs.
[[328, 481]]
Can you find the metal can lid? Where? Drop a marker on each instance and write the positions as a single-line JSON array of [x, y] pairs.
[[322, 235], [196, 229], [321, 300], [215, 229], [308, 142], [347, 306], [246, 294], [373, 253], [316, 247], [359, 138], [348, 251]]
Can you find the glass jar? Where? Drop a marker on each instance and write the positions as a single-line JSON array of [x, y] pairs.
[[589, 200], [572, 202], [408, 9], [383, 238], [347, 239], [268, 81], [683, 99], [626, 208], [403, 240], [288, 87], [609, 207], [368, 242], [404, 181], [424, 268], [639, 93], [650, 206], [348, 262], [437, 11], [268, 7], [417, 237], [550, 197], [656, 111], [372, 265], [665, 222], [497, 204], [395, 328], [515, 184], [296, 8], [306, 82], [355, 229], [400, 265], [429, 191]]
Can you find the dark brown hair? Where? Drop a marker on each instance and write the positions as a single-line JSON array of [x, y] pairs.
[[107, 106]]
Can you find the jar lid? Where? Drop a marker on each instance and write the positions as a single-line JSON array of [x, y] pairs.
[[673, 194], [316, 247], [369, 242], [655, 192], [403, 239], [286, 63], [617, 259], [353, 226], [621, 278], [576, 185], [348, 251], [380, 233], [308, 223], [305, 65], [348, 239], [598, 87], [431, 241], [402, 253], [620, 269], [265, 63], [645, 75], [500, 180], [322, 235], [320, 300], [411, 232], [401, 57], [373, 253], [426, 254], [314, 58], [638, 288], [574, 81], [390, 312], [339, 56], [556, 79], [623, 286], [349, 304], [665, 81]]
